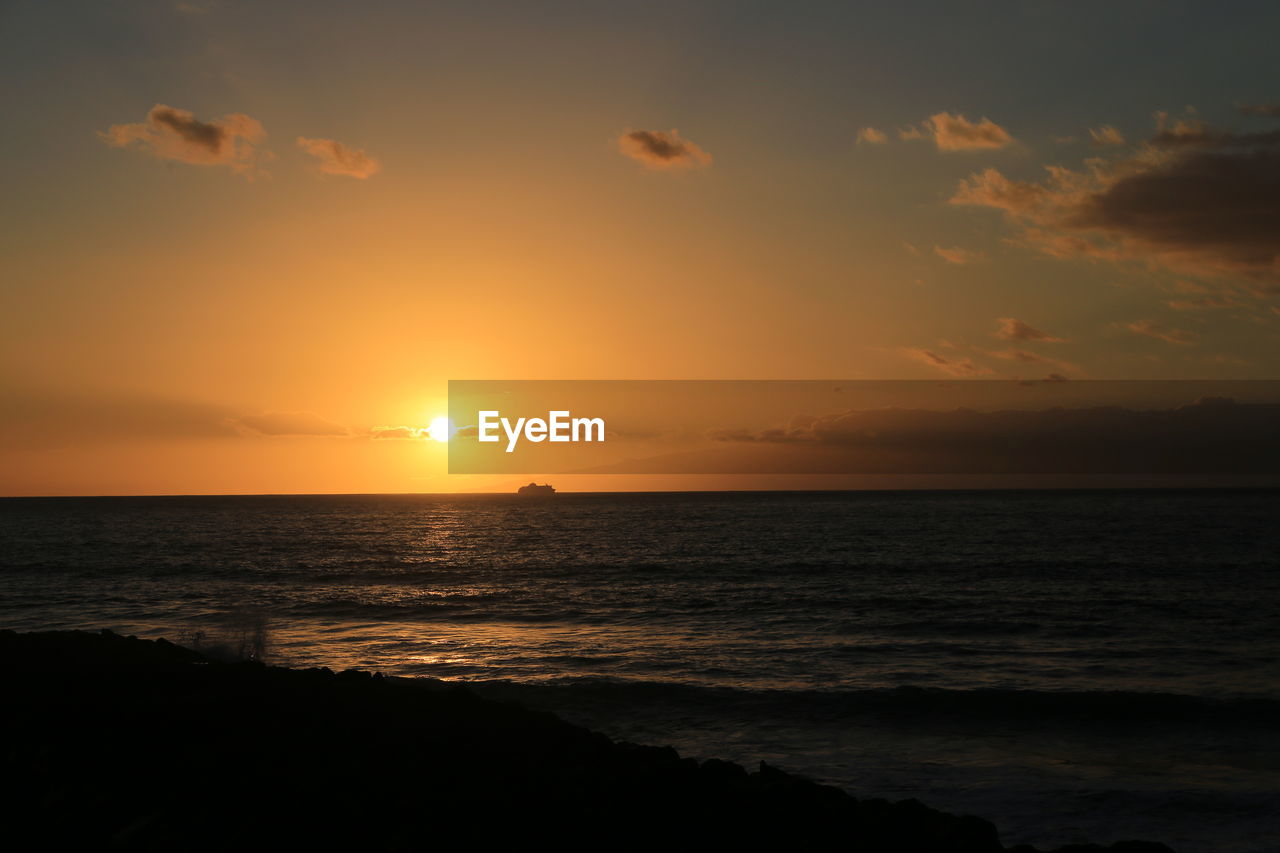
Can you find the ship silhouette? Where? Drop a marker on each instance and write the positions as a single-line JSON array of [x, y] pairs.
[[533, 490]]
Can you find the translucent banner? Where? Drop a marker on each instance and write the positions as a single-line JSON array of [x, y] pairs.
[[864, 427]]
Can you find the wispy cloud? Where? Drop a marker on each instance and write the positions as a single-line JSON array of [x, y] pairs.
[[1013, 329], [1106, 135], [957, 255], [398, 432], [337, 159], [951, 366], [873, 136], [1025, 356], [1207, 302], [290, 423], [1152, 329]]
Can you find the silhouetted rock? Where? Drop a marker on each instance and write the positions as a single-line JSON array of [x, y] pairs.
[[140, 745]]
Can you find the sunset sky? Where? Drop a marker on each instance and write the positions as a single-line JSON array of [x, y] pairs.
[[241, 240]]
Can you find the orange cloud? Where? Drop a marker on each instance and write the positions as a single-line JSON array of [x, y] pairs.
[[1204, 303], [659, 150], [174, 134], [1106, 135], [1164, 333], [956, 133], [991, 189], [337, 159], [952, 366], [397, 432], [1023, 356], [1013, 329], [873, 136], [958, 255]]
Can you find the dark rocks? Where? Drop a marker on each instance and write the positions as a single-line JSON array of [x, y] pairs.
[[139, 745]]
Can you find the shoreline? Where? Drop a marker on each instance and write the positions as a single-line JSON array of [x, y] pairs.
[[142, 744]]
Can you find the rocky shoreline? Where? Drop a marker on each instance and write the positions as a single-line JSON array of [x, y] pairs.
[[129, 744]]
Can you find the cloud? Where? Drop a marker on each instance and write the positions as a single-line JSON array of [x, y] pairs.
[[1023, 356], [992, 189], [1106, 135], [958, 255], [662, 150], [174, 134], [956, 133], [337, 159], [951, 366], [1155, 330], [51, 418], [873, 136], [289, 423], [397, 432], [1211, 435], [1191, 200], [1203, 303], [1013, 329], [1267, 110]]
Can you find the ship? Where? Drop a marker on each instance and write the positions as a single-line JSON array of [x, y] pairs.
[[533, 490]]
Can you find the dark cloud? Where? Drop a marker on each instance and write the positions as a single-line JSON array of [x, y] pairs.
[[662, 150], [1192, 199], [1213, 435], [1268, 110], [175, 134], [958, 255]]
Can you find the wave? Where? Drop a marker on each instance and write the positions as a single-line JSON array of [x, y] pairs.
[[913, 705]]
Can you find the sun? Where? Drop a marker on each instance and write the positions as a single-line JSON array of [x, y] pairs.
[[440, 429]]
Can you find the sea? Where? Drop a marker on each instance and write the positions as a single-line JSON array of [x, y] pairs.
[[1071, 665]]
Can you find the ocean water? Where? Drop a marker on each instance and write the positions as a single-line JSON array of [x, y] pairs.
[[1072, 665]]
